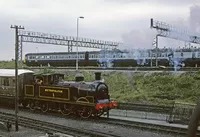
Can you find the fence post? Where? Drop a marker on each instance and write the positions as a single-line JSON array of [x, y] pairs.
[[171, 114]]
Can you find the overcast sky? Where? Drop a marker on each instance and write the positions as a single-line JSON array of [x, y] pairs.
[[126, 21]]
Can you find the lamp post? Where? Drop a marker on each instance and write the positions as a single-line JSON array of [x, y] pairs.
[[81, 17]]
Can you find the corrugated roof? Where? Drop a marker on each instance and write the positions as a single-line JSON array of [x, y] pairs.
[[11, 72]]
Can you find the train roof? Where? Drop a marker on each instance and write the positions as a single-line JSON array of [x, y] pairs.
[[11, 72], [81, 52], [58, 53]]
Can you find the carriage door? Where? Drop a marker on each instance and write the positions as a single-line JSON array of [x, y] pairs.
[[7, 87]]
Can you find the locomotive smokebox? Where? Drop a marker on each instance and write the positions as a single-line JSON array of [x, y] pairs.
[[79, 77], [97, 75]]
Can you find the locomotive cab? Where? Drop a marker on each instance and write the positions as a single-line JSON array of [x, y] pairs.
[[49, 78]]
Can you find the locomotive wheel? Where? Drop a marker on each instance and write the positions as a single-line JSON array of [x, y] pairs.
[[44, 106], [32, 105], [65, 110], [85, 112]]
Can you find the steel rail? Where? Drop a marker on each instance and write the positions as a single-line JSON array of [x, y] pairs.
[[52, 127], [148, 126], [111, 121]]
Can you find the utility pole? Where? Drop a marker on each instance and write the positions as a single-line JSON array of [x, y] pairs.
[[16, 71]]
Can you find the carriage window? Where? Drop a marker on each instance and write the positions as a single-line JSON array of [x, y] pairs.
[[181, 54]]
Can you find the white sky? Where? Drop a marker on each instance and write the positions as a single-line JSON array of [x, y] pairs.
[[126, 21]]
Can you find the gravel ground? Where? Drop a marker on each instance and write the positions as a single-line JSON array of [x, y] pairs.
[[23, 132], [92, 125]]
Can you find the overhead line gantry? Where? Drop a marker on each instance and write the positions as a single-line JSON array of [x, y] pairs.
[[70, 41], [169, 31]]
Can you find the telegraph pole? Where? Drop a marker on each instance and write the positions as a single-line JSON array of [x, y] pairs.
[[16, 71]]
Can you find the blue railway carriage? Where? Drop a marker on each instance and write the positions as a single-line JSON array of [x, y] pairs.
[[103, 58], [116, 58], [61, 59]]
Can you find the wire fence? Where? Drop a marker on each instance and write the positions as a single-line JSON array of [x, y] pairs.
[[173, 113]]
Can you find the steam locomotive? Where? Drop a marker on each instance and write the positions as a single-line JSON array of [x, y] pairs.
[[49, 91]]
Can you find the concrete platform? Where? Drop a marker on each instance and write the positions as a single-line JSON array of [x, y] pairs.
[[153, 122]]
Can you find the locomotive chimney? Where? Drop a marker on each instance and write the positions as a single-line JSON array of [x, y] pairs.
[[97, 75], [79, 77]]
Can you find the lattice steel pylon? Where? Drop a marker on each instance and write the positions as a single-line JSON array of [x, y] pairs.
[[155, 44], [20, 50], [45, 38]]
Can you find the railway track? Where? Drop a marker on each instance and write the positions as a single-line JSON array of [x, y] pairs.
[[149, 126], [52, 127]]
